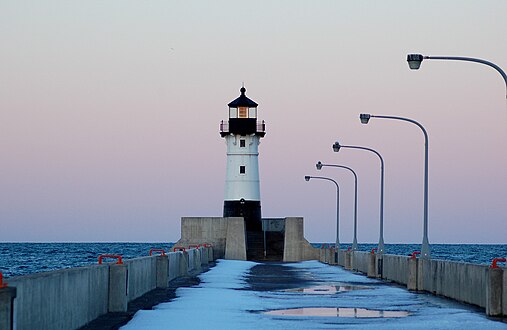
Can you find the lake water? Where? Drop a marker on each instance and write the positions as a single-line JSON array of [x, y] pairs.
[[27, 258]]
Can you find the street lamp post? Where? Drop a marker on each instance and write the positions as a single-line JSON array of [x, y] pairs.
[[319, 166], [425, 249], [336, 148], [307, 178], [415, 60]]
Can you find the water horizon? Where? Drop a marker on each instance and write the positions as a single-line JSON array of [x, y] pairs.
[[23, 258]]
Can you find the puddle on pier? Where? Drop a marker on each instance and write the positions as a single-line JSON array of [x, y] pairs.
[[338, 312], [329, 289]]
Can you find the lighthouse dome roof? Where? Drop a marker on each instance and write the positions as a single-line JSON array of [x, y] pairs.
[[242, 101]]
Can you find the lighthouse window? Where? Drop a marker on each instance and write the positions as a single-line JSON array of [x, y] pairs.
[[242, 169], [233, 113], [242, 112], [242, 143], [252, 112]]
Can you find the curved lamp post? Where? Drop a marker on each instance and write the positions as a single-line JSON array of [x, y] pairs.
[[319, 166], [336, 148], [425, 249], [415, 60], [307, 178]]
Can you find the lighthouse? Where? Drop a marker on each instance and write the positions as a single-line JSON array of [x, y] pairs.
[[242, 133]]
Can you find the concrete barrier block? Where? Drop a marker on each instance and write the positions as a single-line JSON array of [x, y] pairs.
[[211, 254], [118, 295], [348, 260], [7, 296], [204, 256], [142, 276], [494, 289], [333, 257], [412, 274], [322, 255], [183, 263], [235, 245], [327, 256], [372, 270], [173, 265], [360, 261], [162, 271]]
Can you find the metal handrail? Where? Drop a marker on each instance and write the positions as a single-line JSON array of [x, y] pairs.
[[116, 256]]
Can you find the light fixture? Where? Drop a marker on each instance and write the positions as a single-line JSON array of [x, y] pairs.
[[365, 118], [336, 146], [414, 61]]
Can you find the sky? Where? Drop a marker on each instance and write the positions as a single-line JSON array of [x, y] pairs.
[[110, 113]]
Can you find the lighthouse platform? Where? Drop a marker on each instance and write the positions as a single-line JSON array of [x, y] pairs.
[[277, 239]]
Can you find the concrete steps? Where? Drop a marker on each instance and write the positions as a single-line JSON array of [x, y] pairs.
[[255, 246]]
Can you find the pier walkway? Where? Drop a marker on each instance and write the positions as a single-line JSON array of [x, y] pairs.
[[304, 295]]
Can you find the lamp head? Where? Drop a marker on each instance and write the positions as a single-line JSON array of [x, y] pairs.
[[319, 165], [336, 146], [307, 177], [414, 61], [365, 118]]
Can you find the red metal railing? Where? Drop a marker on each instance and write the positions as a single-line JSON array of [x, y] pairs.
[[373, 250], [179, 248], [162, 251], [2, 283], [115, 256], [194, 246], [493, 263], [413, 255]]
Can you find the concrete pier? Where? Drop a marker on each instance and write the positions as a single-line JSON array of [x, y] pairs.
[[71, 298]]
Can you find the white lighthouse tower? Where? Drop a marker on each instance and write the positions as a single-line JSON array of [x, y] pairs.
[[242, 135]]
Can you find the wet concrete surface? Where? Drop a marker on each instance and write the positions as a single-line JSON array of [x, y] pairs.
[[272, 295], [271, 276]]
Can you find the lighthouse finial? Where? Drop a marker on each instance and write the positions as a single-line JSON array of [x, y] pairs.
[[243, 89]]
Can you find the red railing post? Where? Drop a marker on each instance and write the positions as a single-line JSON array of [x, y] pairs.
[[2, 283], [162, 251], [115, 256], [493, 263], [373, 250], [413, 255]]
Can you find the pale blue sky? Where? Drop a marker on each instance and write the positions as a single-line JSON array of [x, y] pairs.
[[109, 114]]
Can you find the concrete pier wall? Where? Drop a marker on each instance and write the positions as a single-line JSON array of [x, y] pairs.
[[62, 299], [360, 261], [474, 284], [457, 280], [70, 298], [142, 276], [395, 268], [174, 265]]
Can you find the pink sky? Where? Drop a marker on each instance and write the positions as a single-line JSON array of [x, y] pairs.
[[110, 114]]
